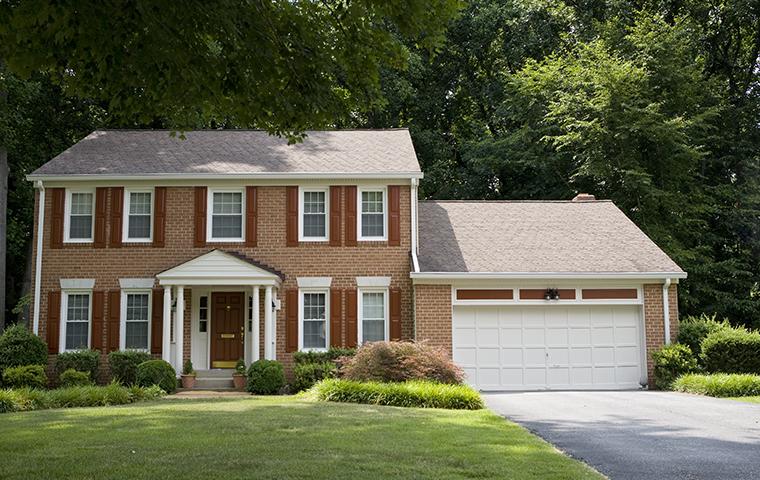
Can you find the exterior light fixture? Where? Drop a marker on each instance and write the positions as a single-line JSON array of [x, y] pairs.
[[551, 294]]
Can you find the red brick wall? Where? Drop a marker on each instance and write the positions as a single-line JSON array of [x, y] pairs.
[[432, 304], [654, 321]]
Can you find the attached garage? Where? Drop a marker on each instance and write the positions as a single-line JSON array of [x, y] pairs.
[[550, 347]]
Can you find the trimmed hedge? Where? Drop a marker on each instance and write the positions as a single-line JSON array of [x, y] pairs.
[[414, 393], [79, 360], [719, 384], [32, 376], [24, 399], [73, 378], [19, 346], [307, 374], [157, 372], [265, 377], [124, 364], [670, 362], [332, 354], [732, 350], [693, 330]]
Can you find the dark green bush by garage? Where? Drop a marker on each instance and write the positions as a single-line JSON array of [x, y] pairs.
[[73, 378], [265, 377], [32, 376], [670, 362], [157, 372], [692, 330], [732, 350], [19, 346], [124, 364], [79, 360]]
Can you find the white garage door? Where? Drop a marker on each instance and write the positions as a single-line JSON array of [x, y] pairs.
[[549, 347]]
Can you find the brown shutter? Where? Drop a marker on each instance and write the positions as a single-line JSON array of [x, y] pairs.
[[291, 216], [335, 214], [336, 314], [394, 215], [56, 233], [351, 315], [101, 194], [251, 215], [200, 216], [53, 320], [159, 217], [98, 320], [157, 321], [351, 216], [291, 320], [395, 313], [117, 215], [114, 319]]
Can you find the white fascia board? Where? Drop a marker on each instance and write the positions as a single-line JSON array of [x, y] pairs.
[[545, 275], [221, 176], [217, 281]]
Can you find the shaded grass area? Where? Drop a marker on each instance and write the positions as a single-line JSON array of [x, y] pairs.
[[755, 399], [274, 437]]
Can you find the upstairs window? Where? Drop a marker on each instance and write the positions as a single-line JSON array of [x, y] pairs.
[[76, 325], [79, 213], [313, 218], [226, 216], [313, 320], [139, 208], [136, 320], [372, 219]]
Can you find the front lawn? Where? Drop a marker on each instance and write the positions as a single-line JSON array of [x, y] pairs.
[[273, 437], [755, 399]]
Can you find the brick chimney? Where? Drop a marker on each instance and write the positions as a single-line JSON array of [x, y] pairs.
[[584, 197]]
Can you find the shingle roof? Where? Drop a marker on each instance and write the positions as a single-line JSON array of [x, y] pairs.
[[534, 237], [236, 152]]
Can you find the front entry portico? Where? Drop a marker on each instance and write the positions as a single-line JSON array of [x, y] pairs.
[[227, 336]]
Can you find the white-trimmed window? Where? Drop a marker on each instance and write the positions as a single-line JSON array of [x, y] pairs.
[[373, 315], [225, 221], [76, 311], [80, 207], [138, 205], [372, 213], [313, 220], [313, 315], [135, 315]]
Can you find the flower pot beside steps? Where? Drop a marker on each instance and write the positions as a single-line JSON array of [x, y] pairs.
[[188, 375], [239, 378]]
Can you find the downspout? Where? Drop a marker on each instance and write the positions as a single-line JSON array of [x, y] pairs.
[[38, 260], [666, 309], [415, 262]]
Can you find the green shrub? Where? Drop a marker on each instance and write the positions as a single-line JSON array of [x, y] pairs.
[[414, 393], [73, 378], [692, 330], [124, 364], [240, 366], [157, 372], [732, 350], [19, 346], [670, 362], [307, 374], [399, 362], [719, 384], [32, 376], [265, 377], [24, 399], [79, 360], [332, 354], [187, 368]]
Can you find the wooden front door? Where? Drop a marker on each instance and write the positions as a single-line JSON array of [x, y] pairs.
[[227, 328]]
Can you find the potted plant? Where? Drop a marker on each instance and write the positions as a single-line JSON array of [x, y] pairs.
[[188, 375], [239, 377]]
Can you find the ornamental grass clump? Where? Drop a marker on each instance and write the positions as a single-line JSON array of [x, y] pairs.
[[25, 399], [719, 384]]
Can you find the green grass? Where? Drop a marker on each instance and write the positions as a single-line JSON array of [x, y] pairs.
[[755, 399], [273, 437]]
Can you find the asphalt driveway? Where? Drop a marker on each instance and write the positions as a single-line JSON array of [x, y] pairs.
[[643, 435]]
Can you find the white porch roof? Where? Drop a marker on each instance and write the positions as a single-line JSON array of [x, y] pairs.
[[218, 267]]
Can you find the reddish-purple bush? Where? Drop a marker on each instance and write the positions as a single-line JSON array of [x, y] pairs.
[[400, 361]]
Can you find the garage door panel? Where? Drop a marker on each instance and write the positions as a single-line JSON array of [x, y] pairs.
[[465, 357], [511, 337], [558, 356], [510, 318], [582, 376], [488, 336], [603, 336], [579, 317], [558, 377], [603, 356], [487, 318], [556, 337], [604, 375], [556, 317], [512, 357], [512, 377], [489, 357], [535, 357], [535, 377], [534, 336], [490, 377], [465, 337], [627, 355], [533, 317], [580, 336], [628, 375], [580, 356], [626, 335]]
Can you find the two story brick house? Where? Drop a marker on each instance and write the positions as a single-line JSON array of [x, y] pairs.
[[233, 244]]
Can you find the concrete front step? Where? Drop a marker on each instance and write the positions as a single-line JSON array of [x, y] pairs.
[[213, 383], [215, 373]]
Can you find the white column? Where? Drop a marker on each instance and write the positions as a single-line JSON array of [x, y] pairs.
[[179, 333], [166, 335], [269, 337], [256, 325]]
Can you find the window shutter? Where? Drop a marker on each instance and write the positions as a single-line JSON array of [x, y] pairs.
[[352, 333], [117, 215], [101, 194], [159, 217], [98, 320], [291, 216], [251, 215], [53, 320], [56, 234], [336, 314], [200, 216], [351, 216], [394, 215], [114, 319], [157, 321], [335, 214], [291, 320], [395, 313]]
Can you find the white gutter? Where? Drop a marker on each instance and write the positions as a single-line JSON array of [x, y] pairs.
[[544, 275], [218, 176], [415, 262], [666, 309], [38, 260]]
